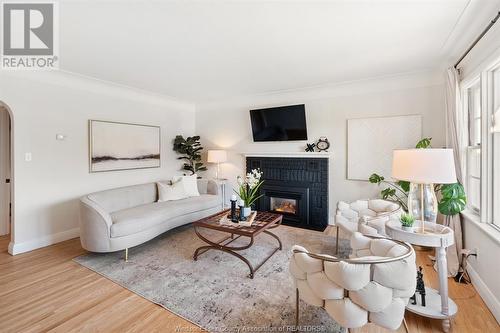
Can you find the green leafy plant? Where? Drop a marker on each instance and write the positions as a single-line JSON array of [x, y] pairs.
[[191, 149], [424, 143], [249, 187], [453, 199], [407, 220], [395, 192]]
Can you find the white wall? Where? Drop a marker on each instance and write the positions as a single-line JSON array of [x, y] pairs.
[[47, 188], [227, 125], [4, 171]]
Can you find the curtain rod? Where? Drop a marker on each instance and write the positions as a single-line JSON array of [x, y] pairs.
[[478, 39]]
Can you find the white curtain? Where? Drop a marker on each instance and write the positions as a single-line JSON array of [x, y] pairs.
[[456, 138]]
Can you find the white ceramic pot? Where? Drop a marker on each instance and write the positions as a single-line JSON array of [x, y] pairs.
[[247, 211], [407, 229]]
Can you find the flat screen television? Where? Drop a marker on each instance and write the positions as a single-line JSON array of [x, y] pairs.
[[283, 123]]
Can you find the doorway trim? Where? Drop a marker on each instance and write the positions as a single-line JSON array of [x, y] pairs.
[[12, 177]]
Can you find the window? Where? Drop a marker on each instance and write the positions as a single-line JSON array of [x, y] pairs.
[[472, 104], [481, 107], [496, 146]]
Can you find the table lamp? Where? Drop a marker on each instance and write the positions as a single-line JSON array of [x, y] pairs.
[[423, 168], [217, 156]]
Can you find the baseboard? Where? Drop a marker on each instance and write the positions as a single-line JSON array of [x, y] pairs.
[[488, 297], [16, 248]]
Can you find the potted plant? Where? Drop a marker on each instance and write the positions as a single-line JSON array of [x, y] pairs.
[[453, 199], [191, 149], [248, 189], [407, 221]]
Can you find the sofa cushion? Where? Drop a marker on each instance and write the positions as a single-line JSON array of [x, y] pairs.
[[190, 184], [125, 197], [133, 220], [169, 192]]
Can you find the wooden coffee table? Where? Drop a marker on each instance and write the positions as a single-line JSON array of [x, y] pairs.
[[262, 223]]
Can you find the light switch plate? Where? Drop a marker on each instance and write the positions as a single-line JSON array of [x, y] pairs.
[[27, 157]]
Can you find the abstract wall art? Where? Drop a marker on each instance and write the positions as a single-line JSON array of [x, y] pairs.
[[123, 146], [370, 142]]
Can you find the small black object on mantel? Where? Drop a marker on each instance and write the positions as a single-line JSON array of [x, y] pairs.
[[420, 288], [310, 147]]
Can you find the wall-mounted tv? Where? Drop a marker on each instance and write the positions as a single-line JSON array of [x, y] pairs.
[[283, 123]]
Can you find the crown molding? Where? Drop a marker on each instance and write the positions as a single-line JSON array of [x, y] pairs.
[[474, 18], [395, 82], [98, 86], [402, 81]]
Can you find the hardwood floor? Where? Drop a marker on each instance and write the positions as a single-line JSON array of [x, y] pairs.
[[44, 290]]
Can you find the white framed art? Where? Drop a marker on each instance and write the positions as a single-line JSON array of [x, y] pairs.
[[370, 142], [123, 146]]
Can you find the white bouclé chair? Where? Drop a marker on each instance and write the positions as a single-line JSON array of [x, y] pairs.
[[374, 285], [366, 216]]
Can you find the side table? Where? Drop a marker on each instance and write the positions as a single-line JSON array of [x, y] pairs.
[[438, 304], [222, 183]]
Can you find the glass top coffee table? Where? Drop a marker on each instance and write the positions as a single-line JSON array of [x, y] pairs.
[[264, 221]]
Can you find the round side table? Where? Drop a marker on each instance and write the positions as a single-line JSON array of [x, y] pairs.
[[438, 304]]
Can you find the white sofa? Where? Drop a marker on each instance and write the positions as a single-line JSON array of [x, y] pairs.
[[366, 216], [373, 286], [121, 218]]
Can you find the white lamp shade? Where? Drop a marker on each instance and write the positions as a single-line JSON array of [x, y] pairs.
[[217, 156], [424, 166]]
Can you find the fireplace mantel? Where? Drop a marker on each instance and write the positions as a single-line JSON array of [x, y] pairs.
[[300, 154]]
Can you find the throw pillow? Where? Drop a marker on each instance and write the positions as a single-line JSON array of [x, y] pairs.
[[190, 185], [167, 192]]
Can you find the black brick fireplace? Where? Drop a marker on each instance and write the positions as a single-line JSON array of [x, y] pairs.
[[296, 187]]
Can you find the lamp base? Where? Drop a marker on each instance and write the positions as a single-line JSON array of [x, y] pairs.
[[422, 204]]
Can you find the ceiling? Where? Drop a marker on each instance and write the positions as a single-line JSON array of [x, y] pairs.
[[208, 50]]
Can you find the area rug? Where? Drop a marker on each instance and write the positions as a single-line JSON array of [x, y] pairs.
[[215, 292]]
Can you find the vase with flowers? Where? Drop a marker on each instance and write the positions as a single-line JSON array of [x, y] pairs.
[[248, 189]]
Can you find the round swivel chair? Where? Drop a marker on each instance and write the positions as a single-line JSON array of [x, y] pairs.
[[373, 285]]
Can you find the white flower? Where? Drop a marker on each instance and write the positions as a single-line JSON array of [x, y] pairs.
[[251, 179], [256, 173]]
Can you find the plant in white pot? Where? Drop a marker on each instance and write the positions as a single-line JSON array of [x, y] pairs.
[[407, 220], [249, 189]]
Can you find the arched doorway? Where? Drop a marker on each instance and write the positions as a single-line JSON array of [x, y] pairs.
[[6, 173]]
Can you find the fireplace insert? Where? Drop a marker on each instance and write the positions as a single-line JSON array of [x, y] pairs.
[[284, 206], [291, 202]]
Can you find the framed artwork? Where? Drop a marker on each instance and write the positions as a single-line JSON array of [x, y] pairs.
[[370, 142], [123, 146]]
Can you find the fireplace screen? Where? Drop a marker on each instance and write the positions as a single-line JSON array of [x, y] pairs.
[[284, 205]]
